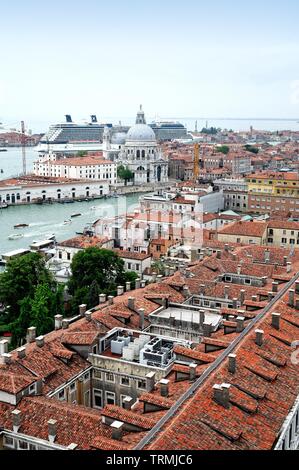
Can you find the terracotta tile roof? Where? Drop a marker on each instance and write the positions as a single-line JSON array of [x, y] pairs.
[[79, 338], [159, 401], [14, 383], [193, 354], [127, 416], [132, 254], [250, 229]]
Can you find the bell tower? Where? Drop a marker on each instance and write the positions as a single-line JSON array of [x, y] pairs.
[[140, 119]]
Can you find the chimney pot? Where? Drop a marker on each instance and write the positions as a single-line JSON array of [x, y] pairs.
[[164, 387], [16, 420], [117, 430], [110, 299], [192, 371], [221, 394], [276, 320], [52, 430], [274, 286], [240, 324], [232, 363], [88, 316], [120, 290], [21, 352], [102, 298], [127, 402], [82, 309], [207, 329], [137, 283], [31, 334], [141, 318], [128, 286], [6, 358], [58, 322], [40, 341], [65, 324], [131, 303], [3, 346], [150, 381], [291, 297], [259, 337]]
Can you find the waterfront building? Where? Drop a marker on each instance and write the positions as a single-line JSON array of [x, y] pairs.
[[34, 189], [93, 167]]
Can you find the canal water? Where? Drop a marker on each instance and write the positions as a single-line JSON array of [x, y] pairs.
[[48, 219]]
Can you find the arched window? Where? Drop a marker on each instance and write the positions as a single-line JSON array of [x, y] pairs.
[[143, 154], [138, 155]]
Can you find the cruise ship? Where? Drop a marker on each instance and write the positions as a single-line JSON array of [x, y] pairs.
[[69, 137], [168, 130]]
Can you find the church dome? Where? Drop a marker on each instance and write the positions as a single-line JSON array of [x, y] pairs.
[[141, 133]]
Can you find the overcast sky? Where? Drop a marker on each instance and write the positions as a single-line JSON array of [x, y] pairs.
[[188, 58]]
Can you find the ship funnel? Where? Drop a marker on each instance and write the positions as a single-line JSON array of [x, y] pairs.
[[93, 118], [68, 118]]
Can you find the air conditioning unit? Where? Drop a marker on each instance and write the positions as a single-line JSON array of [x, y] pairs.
[[117, 346]]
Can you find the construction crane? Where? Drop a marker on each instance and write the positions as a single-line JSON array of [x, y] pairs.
[[23, 142], [196, 162]]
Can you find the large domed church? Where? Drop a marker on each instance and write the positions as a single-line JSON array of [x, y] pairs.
[[142, 155]]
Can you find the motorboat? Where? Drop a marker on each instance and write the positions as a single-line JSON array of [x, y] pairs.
[[67, 222], [76, 214], [20, 225], [15, 236]]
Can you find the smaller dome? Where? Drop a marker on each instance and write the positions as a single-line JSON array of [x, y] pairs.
[[118, 138], [141, 133]]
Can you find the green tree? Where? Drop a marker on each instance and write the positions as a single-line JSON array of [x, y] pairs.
[[124, 173], [81, 153], [223, 149], [20, 280], [251, 148], [95, 270], [38, 311]]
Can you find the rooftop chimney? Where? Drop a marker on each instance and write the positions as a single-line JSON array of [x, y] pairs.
[[88, 316], [297, 287], [31, 334], [232, 363], [186, 291], [274, 286], [102, 298], [218, 254], [58, 322], [142, 283], [21, 352], [291, 297], [128, 286], [3, 346], [242, 296], [127, 402], [235, 303], [192, 371], [239, 268], [6, 358], [82, 309], [202, 288], [120, 290], [137, 283], [226, 292], [110, 299], [267, 256], [16, 420], [52, 430], [150, 381], [285, 260], [40, 341], [226, 247], [240, 324], [276, 320], [289, 267], [117, 430], [164, 387], [259, 337], [141, 318], [221, 394], [65, 324], [131, 303], [159, 278], [254, 298]]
